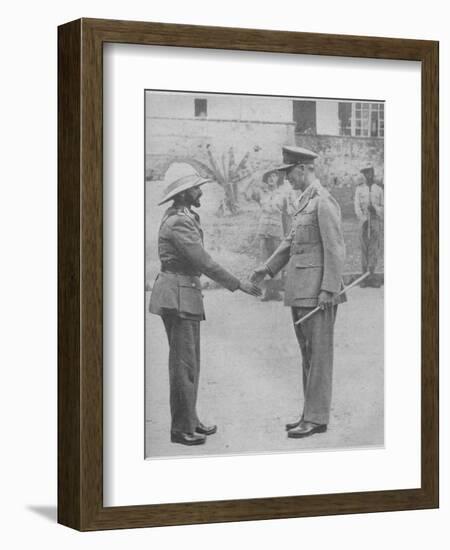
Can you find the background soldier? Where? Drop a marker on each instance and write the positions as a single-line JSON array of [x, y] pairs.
[[314, 252], [270, 227], [369, 211], [177, 297]]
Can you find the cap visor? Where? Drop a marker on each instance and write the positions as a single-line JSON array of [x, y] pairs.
[[284, 167]]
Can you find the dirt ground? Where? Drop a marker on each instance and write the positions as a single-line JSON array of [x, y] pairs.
[[250, 382]]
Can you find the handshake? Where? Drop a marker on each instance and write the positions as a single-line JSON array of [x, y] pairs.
[[250, 286]]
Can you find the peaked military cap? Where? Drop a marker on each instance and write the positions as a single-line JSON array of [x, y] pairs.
[[296, 155]]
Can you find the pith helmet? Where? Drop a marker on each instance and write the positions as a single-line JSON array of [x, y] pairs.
[[179, 177], [274, 170]]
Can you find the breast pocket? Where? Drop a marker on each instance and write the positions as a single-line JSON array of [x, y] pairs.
[[312, 258], [306, 228]]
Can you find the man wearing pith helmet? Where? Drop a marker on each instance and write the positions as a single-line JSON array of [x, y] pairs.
[[177, 297], [314, 252]]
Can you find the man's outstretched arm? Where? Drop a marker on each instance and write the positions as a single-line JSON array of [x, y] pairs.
[[276, 262], [188, 242]]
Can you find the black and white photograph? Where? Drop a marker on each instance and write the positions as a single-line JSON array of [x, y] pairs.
[[264, 298], [225, 287]]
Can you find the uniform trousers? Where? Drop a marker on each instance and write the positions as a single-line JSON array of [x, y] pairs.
[[184, 371], [370, 244], [315, 337]]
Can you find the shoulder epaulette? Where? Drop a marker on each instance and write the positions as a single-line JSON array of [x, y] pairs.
[[170, 213], [186, 212], [181, 212]]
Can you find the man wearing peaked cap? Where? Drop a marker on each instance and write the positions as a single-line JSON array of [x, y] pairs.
[[291, 157], [177, 297], [314, 253]]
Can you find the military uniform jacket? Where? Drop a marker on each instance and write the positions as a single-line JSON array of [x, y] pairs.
[[183, 259], [314, 251]]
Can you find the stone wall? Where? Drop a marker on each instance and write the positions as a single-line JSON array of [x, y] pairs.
[[338, 165], [341, 158]]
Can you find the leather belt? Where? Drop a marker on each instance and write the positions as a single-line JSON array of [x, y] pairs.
[[177, 271]]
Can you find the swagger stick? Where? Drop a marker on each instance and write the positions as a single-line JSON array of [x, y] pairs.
[[318, 308]]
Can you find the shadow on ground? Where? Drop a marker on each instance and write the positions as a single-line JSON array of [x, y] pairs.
[[47, 512]]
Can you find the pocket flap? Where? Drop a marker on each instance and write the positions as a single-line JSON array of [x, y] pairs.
[[190, 296], [186, 281], [306, 218]]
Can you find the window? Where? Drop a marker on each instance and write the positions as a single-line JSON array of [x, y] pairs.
[[200, 108], [304, 116], [369, 120], [361, 119]]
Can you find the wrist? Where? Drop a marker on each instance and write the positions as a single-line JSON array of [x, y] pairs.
[[242, 285]]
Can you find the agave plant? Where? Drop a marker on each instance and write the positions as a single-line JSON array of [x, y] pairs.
[[228, 173]]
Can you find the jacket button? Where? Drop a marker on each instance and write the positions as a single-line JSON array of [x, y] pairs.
[[193, 285]]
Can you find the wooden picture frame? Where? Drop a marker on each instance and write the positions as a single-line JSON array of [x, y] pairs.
[[80, 272]]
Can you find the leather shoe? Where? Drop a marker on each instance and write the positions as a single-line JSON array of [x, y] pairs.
[[292, 425], [305, 429], [205, 430], [186, 438]]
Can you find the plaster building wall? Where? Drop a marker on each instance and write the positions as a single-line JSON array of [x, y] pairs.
[[219, 106], [174, 131]]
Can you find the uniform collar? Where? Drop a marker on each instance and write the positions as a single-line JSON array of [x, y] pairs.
[[192, 214], [182, 210], [310, 192]]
